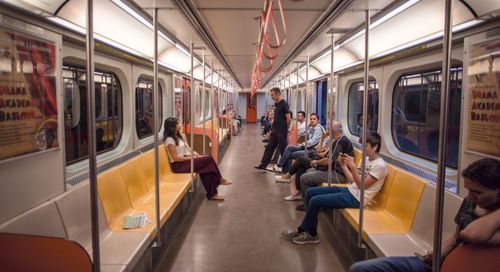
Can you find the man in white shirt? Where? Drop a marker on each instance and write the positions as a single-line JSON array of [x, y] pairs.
[[301, 123], [334, 197]]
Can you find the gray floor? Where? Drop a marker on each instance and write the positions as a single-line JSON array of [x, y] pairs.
[[242, 233]]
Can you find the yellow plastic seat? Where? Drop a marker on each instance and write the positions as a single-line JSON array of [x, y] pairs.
[[395, 207], [135, 181], [116, 202]]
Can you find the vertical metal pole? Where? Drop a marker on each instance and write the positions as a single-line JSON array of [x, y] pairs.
[[94, 211], [155, 129], [443, 121], [331, 108], [297, 94], [307, 98], [365, 111], [191, 110], [212, 90], [203, 105]]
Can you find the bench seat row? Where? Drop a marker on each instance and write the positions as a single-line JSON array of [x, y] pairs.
[[399, 220], [123, 190]]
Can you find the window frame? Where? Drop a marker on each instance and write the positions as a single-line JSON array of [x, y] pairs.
[[423, 71], [117, 82], [145, 77], [360, 81]]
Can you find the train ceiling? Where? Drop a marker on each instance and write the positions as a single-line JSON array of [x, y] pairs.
[[228, 29]]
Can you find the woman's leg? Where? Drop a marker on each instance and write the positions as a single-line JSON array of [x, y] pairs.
[[210, 182]]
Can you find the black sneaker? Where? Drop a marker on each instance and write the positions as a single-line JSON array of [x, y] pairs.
[[260, 167], [301, 207]]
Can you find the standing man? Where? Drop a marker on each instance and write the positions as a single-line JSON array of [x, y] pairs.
[[279, 129]]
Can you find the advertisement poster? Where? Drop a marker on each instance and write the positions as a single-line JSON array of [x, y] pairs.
[[28, 104], [484, 98]]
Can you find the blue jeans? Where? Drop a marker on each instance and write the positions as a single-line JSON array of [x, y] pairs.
[[390, 264], [284, 160], [325, 197]]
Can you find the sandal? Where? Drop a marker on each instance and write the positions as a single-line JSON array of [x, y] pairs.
[[217, 198], [224, 181]]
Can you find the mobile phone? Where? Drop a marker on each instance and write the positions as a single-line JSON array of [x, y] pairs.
[[420, 256]]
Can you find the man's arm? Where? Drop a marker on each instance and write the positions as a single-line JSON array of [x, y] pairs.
[[484, 230], [288, 120]]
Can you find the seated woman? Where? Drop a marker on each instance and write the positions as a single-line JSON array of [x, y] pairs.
[[179, 154], [334, 197]]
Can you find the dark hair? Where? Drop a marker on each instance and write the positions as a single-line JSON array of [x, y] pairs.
[[276, 90], [374, 139], [485, 171], [301, 112], [291, 114], [170, 129], [317, 117]]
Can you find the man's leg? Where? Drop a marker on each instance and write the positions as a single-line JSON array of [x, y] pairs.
[[282, 141], [312, 178], [268, 152], [390, 264], [286, 154], [341, 199]]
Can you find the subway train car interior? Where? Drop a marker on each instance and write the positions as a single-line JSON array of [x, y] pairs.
[[237, 135]]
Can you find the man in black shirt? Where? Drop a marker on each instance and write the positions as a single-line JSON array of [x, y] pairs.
[[478, 220], [278, 137]]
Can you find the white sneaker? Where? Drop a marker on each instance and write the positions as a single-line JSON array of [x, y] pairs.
[[270, 168], [293, 198], [281, 179], [276, 168]]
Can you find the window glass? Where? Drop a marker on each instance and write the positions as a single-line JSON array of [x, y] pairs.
[[415, 114], [108, 112], [207, 105], [355, 107], [144, 120]]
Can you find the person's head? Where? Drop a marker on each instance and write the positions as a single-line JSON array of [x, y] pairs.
[[373, 143], [301, 116], [337, 129], [482, 179], [275, 94], [172, 128], [313, 119], [360, 119]]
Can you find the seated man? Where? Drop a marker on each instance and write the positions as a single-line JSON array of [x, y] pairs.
[[314, 135], [478, 220], [341, 197], [318, 171]]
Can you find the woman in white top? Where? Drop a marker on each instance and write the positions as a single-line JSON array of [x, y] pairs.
[[180, 155], [334, 197]]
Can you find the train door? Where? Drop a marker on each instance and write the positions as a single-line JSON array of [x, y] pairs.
[[321, 100], [251, 108]]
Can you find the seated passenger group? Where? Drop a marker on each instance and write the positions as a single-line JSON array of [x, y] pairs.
[[335, 197], [179, 154]]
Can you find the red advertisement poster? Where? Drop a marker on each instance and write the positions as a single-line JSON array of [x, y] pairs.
[[28, 104]]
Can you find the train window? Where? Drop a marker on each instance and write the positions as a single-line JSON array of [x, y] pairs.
[[207, 103], [415, 114], [108, 112], [355, 107], [144, 107]]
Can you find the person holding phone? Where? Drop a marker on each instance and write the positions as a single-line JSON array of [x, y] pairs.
[[478, 221]]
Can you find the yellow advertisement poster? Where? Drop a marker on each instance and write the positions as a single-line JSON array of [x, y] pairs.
[[28, 104], [484, 98]]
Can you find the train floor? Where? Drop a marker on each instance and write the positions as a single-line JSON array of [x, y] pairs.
[[242, 233]]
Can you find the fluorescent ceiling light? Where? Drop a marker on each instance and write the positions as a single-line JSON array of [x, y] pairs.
[[183, 50], [428, 38], [393, 13], [132, 12], [119, 45], [68, 24]]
